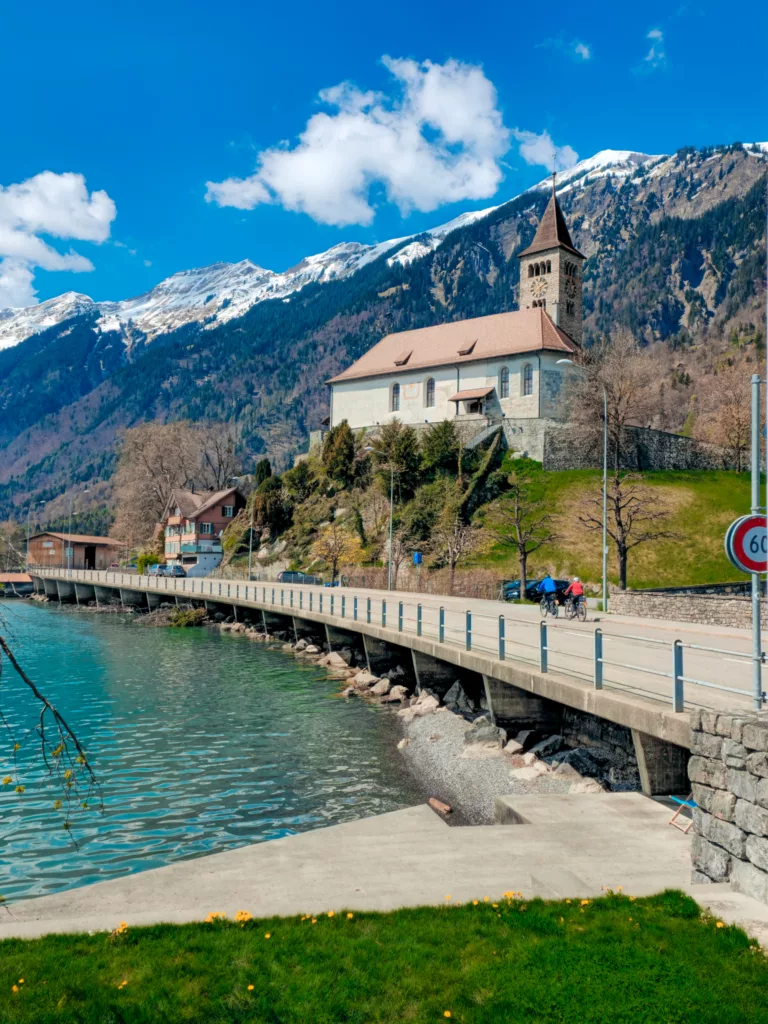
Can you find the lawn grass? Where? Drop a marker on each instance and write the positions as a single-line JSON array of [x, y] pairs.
[[613, 960], [702, 504]]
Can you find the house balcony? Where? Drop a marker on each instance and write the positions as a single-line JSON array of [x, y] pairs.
[[201, 547]]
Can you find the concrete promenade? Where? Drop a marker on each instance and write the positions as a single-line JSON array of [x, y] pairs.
[[573, 847]]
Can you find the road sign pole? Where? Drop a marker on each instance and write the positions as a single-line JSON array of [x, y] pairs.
[[757, 654]]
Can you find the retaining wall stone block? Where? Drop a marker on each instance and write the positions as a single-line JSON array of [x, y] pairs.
[[762, 793], [707, 745], [757, 851], [708, 772], [754, 735], [734, 754], [757, 764], [751, 818], [713, 861], [717, 802], [723, 833], [742, 784], [746, 878]]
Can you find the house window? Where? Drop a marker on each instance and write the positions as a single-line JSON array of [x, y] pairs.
[[394, 404], [429, 393], [228, 511], [528, 379], [206, 528], [504, 382]]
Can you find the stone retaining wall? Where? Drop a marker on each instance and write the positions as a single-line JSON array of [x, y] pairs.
[[711, 609], [643, 449], [729, 775]]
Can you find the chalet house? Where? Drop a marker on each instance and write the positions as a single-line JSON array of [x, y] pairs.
[[51, 549], [193, 524], [506, 369]]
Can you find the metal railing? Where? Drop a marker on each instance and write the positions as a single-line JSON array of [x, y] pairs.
[[593, 656]]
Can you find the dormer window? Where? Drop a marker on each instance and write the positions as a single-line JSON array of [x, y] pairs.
[[403, 358], [468, 349]]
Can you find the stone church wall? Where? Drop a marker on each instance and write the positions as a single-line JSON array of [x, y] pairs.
[[643, 449]]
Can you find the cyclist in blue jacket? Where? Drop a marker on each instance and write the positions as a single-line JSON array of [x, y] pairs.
[[547, 585]]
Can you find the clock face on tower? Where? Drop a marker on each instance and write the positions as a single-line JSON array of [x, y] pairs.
[[539, 288], [570, 288]]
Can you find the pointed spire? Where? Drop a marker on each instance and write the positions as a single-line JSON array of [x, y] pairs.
[[552, 230]]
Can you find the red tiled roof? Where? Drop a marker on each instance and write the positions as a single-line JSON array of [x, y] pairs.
[[483, 337]]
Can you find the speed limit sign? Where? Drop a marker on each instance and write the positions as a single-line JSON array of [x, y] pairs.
[[746, 544]]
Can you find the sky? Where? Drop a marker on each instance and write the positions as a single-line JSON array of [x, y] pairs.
[[142, 139]]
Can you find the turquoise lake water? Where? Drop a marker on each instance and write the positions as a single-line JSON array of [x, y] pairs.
[[201, 742]]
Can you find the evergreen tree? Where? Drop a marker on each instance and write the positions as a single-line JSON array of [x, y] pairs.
[[262, 472], [339, 454], [440, 447], [398, 446]]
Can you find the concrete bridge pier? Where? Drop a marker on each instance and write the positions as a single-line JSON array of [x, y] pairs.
[[153, 600], [84, 592], [132, 598], [105, 595], [51, 590], [340, 638], [305, 629], [38, 584], [381, 656], [663, 766], [66, 590], [513, 708], [274, 621], [217, 608]]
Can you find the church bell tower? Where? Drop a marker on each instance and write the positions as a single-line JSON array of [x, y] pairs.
[[551, 272]]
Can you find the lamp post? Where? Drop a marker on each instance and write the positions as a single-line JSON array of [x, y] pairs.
[[29, 511], [570, 362], [237, 479], [375, 451], [69, 534]]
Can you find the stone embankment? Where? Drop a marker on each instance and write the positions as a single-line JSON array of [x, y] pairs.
[[729, 775], [709, 609]]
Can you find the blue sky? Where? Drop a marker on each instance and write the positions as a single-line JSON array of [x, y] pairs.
[[149, 102]]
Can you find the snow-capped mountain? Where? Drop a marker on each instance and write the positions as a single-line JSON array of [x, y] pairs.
[[223, 291]]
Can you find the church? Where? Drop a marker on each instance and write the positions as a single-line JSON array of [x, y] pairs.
[[505, 369]]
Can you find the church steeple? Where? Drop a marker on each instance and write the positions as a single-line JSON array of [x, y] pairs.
[[550, 271]]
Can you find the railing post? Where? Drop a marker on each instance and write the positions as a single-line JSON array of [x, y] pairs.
[[301, 599], [343, 606], [678, 701], [354, 608], [543, 647], [383, 612], [441, 625], [310, 600], [291, 593], [368, 609], [418, 620], [502, 639], [333, 599], [468, 630], [282, 598], [321, 602], [400, 617], [273, 595], [598, 659]]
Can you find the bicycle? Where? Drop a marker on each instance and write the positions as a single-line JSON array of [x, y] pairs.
[[576, 607], [548, 604]]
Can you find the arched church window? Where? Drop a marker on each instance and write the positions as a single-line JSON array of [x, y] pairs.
[[395, 402], [537, 270], [504, 382], [429, 393], [530, 270], [528, 379], [549, 266]]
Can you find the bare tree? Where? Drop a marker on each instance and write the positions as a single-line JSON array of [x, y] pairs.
[[12, 541], [336, 546], [620, 371], [725, 416], [452, 538], [635, 516], [219, 455], [397, 555], [520, 517]]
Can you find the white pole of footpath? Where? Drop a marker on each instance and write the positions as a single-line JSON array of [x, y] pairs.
[[757, 655]]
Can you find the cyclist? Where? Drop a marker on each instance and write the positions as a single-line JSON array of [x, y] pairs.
[[548, 588], [575, 590]]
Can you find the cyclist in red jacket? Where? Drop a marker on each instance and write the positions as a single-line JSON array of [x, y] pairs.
[[575, 589]]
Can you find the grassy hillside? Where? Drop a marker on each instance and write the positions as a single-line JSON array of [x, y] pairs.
[[702, 505]]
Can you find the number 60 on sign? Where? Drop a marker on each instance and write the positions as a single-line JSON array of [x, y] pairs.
[[746, 544]]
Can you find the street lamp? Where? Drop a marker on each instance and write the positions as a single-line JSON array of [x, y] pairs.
[[29, 510], [69, 536], [375, 451], [570, 362], [237, 479]]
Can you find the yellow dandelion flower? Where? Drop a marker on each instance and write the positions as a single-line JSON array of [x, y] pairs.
[[562, 920], [21, 981], [585, 903], [14, 988], [447, 1013], [474, 903], [448, 896], [485, 899], [350, 916], [567, 901], [631, 899], [19, 789], [314, 920], [331, 913], [495, 906], [618, 888], [268, 935], [250, 988], [720, 924], [509, 895], [68, 773], [7, 780]]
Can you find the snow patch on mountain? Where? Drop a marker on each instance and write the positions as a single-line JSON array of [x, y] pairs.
[[18, 323]]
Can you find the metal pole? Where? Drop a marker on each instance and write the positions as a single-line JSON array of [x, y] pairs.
[[605, 500], [69, 541], [26, 561], [250, 537], [757, 654], [391, 506]]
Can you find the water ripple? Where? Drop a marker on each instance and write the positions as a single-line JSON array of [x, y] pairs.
[[201, 742]]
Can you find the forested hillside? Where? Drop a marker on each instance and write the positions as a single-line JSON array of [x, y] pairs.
[[676, 253]]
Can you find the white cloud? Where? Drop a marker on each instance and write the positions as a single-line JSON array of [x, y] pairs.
[[542, 151], [147, 263], [656, 56], [439, 139], [57, 205], [575, 48], [582, 51]]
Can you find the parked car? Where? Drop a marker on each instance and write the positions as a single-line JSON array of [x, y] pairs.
[[166, 570], [510, 590], [286, 576]]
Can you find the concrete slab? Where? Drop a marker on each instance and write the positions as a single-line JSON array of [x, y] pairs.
[[578, 808]]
